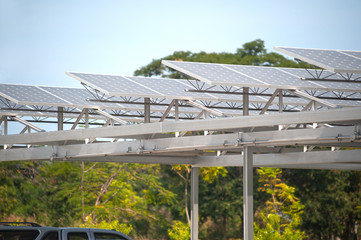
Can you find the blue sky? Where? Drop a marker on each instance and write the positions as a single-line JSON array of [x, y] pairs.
[[42, 39]]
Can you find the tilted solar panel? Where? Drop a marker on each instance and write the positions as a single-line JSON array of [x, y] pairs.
[[52, 96], [333, 60], [166, 88], [256, 76]]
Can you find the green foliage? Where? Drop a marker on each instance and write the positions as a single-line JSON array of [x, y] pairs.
[[281, 218], [251, 53], [222, 204], [113, 225], [210, 174], [331, 198], [179, 231]]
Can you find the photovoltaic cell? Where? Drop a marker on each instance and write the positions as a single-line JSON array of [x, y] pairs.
[[333, 60]]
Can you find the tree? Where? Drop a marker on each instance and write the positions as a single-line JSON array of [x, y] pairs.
[[331, 198], [281, 218], [251, 53]]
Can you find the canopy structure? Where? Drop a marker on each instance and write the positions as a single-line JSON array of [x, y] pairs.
[[222, 115]]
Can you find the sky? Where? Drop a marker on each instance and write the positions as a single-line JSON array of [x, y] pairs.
[[40, 40]]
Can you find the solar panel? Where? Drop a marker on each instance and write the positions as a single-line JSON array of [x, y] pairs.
[[160, 88], [256, 76], [52, 96], [26, 94], [333, 60]]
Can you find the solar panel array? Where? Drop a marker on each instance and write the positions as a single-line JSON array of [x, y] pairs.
[[256, 76], [162, 88], [333, 60], [215, 86]]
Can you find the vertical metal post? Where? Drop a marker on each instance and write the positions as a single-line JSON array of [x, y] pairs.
[[60, 118], [194, 202], [87, 118], [146, 110], [176, 109], [247, 193], [6, 130], [280, 101], [29, 131], [245, 101], [280, 105], [87, 140], [6, 126]]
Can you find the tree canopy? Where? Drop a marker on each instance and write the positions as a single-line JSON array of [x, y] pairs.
[[251, 53]]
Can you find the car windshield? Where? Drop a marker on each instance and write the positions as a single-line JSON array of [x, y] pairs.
[[18, 234]]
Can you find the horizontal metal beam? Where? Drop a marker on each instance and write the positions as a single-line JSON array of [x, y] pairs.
[[191, 144], [289, 160], [346, 159], [223, 124], [168, 160]]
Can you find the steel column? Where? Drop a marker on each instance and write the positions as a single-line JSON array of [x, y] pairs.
[[194, 202], [245, 101], [60, 118], [146, 110], [247, 193]]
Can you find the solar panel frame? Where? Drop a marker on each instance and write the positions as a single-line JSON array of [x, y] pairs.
[[333, 60]]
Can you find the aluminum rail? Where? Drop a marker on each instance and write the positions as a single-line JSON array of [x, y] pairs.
[[344, 115]]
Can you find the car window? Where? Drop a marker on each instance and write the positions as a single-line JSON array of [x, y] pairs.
[[18, 234], [108, 236], [78, 236], [51, 236]]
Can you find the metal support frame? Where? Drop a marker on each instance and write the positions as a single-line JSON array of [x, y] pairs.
[[26, 123], [116, 119], [176, 109], [248, 193], [269, 102], [167, 111], [146, 110], [26, 128], [79, 118], [60, 118], [2, 119], [220, 124], [194, 202], [202, 113], [307, 96], [199, 106], [245, 101]]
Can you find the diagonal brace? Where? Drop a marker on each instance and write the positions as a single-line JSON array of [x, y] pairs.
[[211, 111], [26, 123], [119, 120], [307, 96]]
